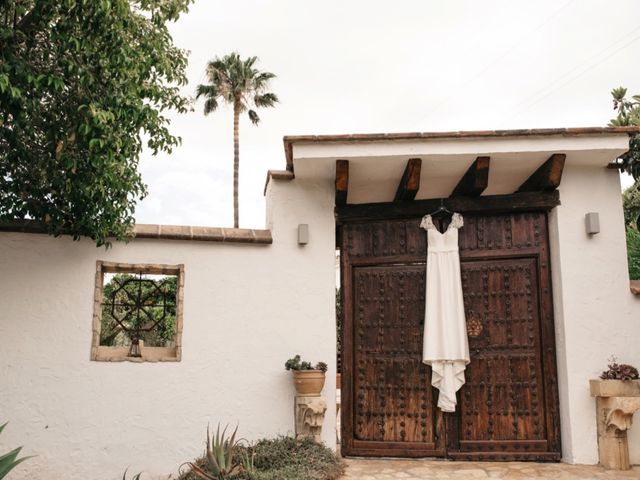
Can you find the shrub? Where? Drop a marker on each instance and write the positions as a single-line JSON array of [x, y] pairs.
[[284, 458]]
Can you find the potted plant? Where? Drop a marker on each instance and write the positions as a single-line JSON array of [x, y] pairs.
[[307, 379], [619, 380]]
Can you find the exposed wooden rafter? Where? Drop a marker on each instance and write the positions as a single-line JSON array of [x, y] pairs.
[[475, 180], [515, 202], [410, 182], [547, 177], [342, 182]]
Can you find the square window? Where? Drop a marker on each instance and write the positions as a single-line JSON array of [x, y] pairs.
[[137, 312]]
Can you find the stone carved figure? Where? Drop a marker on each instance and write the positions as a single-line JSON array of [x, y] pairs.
[[309, 417], [620, 417]]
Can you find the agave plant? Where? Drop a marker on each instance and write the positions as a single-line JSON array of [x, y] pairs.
[[220, 456], [10, 460], [247, 456], [135, 477]]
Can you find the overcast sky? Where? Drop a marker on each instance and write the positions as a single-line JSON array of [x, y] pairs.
[[381, 66]]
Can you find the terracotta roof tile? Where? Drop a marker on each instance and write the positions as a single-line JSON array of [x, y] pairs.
[[166, 232]]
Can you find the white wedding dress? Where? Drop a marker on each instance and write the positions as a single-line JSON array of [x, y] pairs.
[[445, 345]]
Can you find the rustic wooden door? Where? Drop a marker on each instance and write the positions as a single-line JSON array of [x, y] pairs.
[[508, 407]]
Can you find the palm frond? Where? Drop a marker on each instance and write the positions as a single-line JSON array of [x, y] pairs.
[[210, 105], [265, 100], [261, 80], [206, 90], [248, 63], [253, 116], [238, 82]]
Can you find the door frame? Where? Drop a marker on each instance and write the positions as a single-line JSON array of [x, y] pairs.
[[448, 445]]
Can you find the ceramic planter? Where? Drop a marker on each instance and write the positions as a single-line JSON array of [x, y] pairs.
[[308, 382]]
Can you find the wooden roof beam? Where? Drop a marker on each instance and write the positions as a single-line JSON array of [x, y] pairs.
[[475, 180], [342, 182], [546, 178], [410, 182], [487, 204]]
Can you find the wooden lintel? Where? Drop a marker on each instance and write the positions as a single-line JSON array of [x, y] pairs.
[[342, 182], [547, 177], [410, 182], [489, 204], [475, 180]]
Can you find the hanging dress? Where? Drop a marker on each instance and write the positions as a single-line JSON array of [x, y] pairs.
[[445, 345]]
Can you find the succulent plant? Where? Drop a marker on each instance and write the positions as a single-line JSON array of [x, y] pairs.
[[322, 367], [220, 457], [137, 476], [619, 371], [295, 363]]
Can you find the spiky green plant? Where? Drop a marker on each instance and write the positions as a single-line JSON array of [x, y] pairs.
[[10, 460], [135, 477], [247, 458], [220, 456]]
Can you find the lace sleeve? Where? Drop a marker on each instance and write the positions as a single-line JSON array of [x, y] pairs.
[[427, 222], [456, 221]]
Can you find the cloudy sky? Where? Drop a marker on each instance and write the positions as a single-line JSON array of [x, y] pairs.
[[380, 66]]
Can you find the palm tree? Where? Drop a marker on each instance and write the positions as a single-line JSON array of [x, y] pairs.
[[238, 83]]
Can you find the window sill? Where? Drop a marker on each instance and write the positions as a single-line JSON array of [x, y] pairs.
[[149, 354]]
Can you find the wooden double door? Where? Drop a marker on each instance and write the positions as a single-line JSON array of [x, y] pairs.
[[508, 407]]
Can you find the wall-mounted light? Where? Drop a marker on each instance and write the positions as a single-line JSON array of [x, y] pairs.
[[303, 234], [592, 223]]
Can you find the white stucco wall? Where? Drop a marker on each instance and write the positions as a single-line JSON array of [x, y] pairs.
[[247, 309], [596, 315]]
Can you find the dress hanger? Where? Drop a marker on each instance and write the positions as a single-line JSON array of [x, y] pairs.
[[441, 209]]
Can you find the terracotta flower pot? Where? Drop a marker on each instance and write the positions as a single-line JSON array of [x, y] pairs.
[[308, 382]]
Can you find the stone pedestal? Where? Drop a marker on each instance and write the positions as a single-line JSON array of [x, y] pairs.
[[309, 413], [616, 402]]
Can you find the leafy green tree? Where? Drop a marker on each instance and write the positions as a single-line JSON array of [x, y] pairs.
[[81, 81], [158, 295], [238, 83], [633, 252], [631, 205], [628, 114]]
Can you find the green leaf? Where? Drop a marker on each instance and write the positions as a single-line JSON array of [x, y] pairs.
[[118, 58]]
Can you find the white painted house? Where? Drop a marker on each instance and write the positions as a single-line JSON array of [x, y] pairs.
[[546, 303]]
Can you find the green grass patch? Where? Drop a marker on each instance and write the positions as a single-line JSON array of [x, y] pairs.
[[285, 458]]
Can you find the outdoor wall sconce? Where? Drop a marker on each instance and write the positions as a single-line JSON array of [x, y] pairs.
[[303, 234], [592, 223]]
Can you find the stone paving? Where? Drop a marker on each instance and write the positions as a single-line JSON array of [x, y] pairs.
[[393, 469]]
